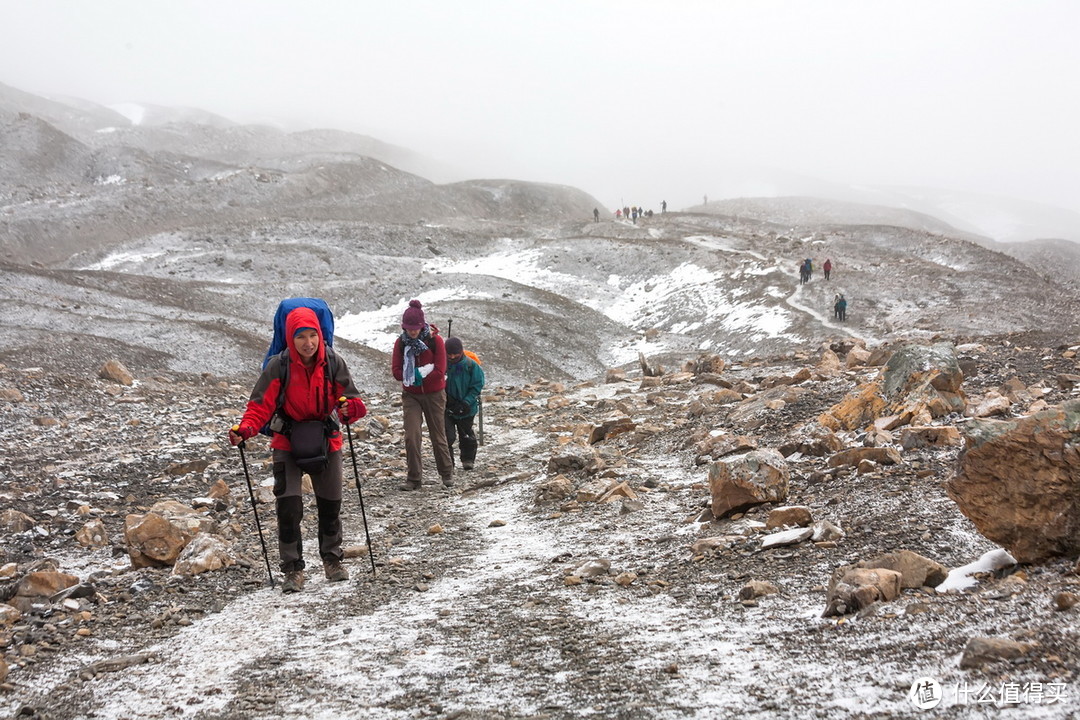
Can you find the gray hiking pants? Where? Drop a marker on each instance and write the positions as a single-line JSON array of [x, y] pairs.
[[290, 509]]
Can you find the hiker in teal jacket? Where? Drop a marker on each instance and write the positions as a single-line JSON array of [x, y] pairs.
[[464, 381]]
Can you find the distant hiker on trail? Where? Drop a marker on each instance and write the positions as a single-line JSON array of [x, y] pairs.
[[663, 206], [827, 267], [299, 400], [618, 214], [596, 215], [419, 363], [804, 272], [809, 264], [464, 381], [840, 308]]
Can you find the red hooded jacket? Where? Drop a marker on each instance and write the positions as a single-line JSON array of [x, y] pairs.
[[309, 395]]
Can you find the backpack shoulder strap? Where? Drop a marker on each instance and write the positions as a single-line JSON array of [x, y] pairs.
[[283, 376]]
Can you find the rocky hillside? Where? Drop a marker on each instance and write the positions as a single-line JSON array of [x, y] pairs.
[[596, 543]]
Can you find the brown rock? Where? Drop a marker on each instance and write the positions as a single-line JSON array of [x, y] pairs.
[[204, 553], [44, 584], [982, 650], [789, 516], [916, 571], [153, 540], [614, 375], [9, 615], [183, 468], [852, 589], [610, 428], [853, 456], [757, 477], [219, 490], [757, 588], [558, 488], [992, 404], [1066, 600], [593, 490], [92, 534], [856, 411], [930, 436], [11, 395], [619, 492], [829, 364], [115, 371], [13, 521], [1019, 482]]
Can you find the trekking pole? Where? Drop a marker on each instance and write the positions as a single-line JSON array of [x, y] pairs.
[[480, 414], [363, 513], [254, 510]]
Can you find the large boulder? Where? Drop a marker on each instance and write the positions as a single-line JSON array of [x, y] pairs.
[[919, 383], [759, 476], [1019, 482]]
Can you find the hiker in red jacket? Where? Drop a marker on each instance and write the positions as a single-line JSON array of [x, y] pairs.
[[305, 439], [419, 363], [827, 267]]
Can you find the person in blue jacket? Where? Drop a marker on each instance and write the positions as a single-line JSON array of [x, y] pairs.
[[464, 381]]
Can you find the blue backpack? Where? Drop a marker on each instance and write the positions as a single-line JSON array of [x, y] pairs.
[[279, 346], [322, 311]]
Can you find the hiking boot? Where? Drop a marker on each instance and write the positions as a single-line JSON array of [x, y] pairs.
[[335, 571], [294, 581], [466, 464], [448, 481], [409, 485]]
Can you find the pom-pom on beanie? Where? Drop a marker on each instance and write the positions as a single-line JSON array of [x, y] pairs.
[[413, 317], [453, 346]]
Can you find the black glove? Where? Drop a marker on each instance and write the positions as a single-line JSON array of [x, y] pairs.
[[455, 407]]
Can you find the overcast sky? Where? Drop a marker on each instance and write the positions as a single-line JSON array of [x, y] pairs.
[[631, 101]]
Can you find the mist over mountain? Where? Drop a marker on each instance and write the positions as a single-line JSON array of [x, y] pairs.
[[628, 362], [179, 215]]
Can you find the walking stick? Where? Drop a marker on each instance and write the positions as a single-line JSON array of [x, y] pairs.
[[480, 413], [254, 510], [363, 513]]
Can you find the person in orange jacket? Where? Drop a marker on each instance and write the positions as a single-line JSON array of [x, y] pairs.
[[419, 364], [305, 393]]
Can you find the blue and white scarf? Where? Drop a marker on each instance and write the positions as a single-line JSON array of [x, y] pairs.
[[413, 348]]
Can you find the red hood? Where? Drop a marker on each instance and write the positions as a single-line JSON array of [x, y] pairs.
[[303, 317]]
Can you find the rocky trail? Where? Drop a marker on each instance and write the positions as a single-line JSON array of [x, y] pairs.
[[577, 571]]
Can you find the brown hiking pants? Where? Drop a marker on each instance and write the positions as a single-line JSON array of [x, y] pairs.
[[429, 408]]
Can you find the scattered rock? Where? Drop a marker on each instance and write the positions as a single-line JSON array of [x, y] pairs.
[[854, 589], [92, 534], [916, 571], [982, 650], [115, 371], [756, 589], [1066, 600]]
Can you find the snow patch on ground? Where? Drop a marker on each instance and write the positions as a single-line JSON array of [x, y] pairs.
[[378, 329]]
